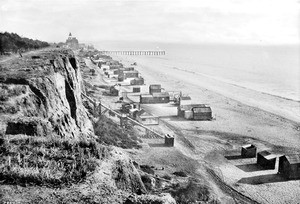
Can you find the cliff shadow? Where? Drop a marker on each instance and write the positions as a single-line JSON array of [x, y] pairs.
[[263, 179], [234, 157], [251, 167]]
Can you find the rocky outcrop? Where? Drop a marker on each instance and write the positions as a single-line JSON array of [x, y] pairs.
[[40, 94]]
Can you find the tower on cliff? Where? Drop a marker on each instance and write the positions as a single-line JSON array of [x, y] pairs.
[[72, 42]]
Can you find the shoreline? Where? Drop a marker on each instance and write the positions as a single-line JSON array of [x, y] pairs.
[[235, 124], [238, 122], [280, 106]]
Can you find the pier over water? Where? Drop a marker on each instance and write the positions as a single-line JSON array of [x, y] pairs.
[[133, 52]]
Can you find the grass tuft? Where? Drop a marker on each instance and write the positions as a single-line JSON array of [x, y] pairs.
[[110, 134], [53, 162]]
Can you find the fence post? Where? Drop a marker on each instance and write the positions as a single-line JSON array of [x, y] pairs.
[[123, 120]]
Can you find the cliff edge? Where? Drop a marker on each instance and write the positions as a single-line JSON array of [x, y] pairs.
[[41, 94], [48, 150]]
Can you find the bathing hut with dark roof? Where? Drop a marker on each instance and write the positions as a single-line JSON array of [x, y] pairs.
[[154, 88], [266, 159], [137, 81], [169, 140], [146, 118], [195, 112], [289, 166], [128, 74], [155, 98], [248, 151]]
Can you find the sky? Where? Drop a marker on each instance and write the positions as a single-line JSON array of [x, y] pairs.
[[191, 21]]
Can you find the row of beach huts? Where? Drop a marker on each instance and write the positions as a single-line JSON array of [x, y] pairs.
[[289, 165], [113, 69]]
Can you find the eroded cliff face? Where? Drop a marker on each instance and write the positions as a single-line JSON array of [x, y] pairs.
[[40, 94]]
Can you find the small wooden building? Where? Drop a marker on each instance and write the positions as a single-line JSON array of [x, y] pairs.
[[137, 81], [113, 91], [183, 100], [128, 74], [116, 66], [266, 159], [128, 68], [136, 89], [289, 166], [154, 88], [146, 118], [105, 67], [155, 98], [113, 62], [169, 140], [248, 151], [195, 112]]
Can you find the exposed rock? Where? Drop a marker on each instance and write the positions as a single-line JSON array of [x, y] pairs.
[[46, 86]]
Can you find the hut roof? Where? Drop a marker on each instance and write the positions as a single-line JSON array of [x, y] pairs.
[[130, 71], [143, 114], [185, 98], [155, 86], [146, 95], [293, 158], [264, 153], [267, 154], [201, 109], [191, 106], [160, 94], [248, 146]]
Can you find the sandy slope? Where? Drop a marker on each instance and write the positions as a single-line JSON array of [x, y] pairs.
[[240, 119]]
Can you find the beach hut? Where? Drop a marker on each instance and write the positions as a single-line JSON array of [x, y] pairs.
[[146, 98], [136, 89], [131, 74], [202, 113], [169, 140], [116, 66], [113, 91], [137, 81], [112, 62], [105, 67], [195, 111], [154, 88], [266, 159], [155, 98], [248, 151], [128, 74], [128, 68], [182, 100], [146, 118], [289, 166]]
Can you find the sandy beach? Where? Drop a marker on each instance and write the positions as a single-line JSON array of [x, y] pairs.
[[241, 117]]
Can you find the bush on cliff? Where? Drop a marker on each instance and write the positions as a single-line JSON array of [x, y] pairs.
[[192, 192], [53, 162], [110, 133], [12, 42]]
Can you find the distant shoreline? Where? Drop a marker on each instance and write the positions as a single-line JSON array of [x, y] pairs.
[[277, 105]]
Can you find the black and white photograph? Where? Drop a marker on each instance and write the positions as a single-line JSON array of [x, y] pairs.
[[150, 101]]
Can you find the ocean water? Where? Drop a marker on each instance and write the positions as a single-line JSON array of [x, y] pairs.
[[273, 70]]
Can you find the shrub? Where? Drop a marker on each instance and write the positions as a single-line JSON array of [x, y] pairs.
[[147, 169], [192, 192], [54, 162], [110, 133]]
